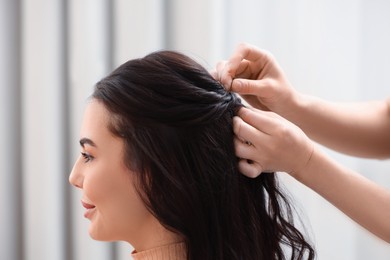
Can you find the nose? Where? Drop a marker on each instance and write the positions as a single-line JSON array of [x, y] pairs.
[[76, 177]]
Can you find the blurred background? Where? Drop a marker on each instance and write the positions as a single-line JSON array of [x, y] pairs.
[[53, 51]]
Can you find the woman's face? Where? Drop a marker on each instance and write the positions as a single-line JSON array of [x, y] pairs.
[[110, 200]]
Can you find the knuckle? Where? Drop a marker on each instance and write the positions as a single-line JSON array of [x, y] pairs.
[[282, 131], [230, 69], [268, 82], [244, 112], [243, 46], [268, 55]]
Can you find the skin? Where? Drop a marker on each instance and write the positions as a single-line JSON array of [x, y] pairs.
[[113, 206], [277, 142]]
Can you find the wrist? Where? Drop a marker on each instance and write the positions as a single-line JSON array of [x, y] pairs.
[[293, 105], [305, 170], [298, 109]]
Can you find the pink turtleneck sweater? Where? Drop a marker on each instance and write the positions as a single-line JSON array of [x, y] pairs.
[[175, 251]]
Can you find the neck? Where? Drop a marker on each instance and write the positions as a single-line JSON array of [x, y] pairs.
[[153, 235]]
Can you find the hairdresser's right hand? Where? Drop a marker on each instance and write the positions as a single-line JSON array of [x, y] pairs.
[[266, 142], [257, 77]]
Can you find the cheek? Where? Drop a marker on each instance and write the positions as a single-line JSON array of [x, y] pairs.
[[96, 185], [120, 210], [129, 206]]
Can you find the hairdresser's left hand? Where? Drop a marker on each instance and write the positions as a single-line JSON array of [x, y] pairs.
[[270, 142], [256, 75]]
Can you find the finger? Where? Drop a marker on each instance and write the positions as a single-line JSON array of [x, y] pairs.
[[245, 150], [250, 87], [220, 69], [251, 170], [247, 132], [264, 121], [244, 70], [254, 102], [252, 70], [248, 52]]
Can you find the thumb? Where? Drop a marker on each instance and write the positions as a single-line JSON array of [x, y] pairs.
[[248, 87]]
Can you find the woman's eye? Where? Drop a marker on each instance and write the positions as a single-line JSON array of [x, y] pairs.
[[86, 157]]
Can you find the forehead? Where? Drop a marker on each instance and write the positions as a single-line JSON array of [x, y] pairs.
[[95, 121]]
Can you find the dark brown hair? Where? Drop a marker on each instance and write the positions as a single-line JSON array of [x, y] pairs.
[[176, 122]]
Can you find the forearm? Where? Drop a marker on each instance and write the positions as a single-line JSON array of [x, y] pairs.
[[358, 129], [362, 200]]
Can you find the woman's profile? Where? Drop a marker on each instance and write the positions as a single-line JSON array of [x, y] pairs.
[[158, 169]]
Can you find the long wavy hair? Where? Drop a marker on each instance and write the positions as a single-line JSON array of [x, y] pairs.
[[176, 123]]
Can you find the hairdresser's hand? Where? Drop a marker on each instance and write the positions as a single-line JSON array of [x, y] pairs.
[[266, 142], [257, 77]]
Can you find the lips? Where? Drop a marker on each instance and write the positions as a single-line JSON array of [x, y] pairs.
[[89, 209], [87, 206]]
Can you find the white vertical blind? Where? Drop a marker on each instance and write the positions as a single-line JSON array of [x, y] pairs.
[[44, 131], [53, 52], [11, 206], [139, 28]]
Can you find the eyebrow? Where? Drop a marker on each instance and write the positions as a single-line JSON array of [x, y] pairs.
[[84, 141]]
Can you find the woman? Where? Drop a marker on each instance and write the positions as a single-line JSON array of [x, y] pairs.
[[158, 169]]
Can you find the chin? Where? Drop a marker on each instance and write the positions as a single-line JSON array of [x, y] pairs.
[[101, 235], [97, 234]]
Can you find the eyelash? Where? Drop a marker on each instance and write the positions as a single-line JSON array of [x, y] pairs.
[[86, 157]]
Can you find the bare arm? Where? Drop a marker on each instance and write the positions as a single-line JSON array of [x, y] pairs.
[[358, 129], [362, 200], [272, 137]]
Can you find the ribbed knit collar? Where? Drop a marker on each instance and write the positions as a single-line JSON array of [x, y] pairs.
[[176, 251]]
